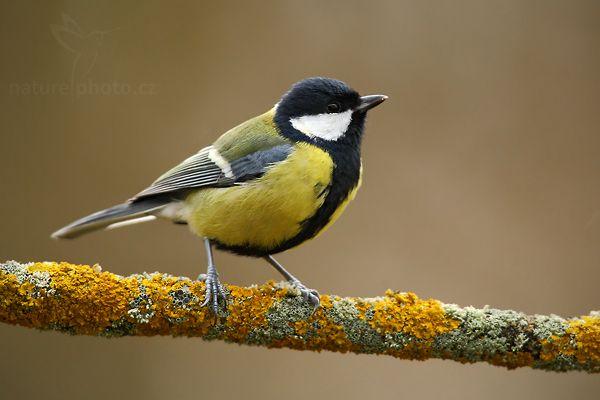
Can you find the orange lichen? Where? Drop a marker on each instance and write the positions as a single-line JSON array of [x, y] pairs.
[[88, 302], [158, 288], [331, 335], [319, 332], [554, 346], [581, 340], [248, 309], [82, 300], [300, 327], [70, 305], [587, 335], [407, 313], [9, 295]]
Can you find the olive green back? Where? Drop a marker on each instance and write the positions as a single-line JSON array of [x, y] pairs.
[[256, 134]]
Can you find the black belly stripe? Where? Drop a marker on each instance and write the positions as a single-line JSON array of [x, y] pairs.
[[345, 177]]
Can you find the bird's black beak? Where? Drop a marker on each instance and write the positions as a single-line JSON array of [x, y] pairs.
[[368, 102]]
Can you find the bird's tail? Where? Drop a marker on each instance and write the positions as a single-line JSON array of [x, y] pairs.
[[113, 217]]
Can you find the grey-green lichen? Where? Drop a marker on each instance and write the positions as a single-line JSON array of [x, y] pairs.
[[79, 299], [39, 279], [358, 330], [485, 333]]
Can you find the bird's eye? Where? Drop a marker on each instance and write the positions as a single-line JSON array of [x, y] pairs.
[[333, 108]]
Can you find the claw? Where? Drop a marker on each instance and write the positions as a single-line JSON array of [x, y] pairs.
[[311, 296], [214, 290]]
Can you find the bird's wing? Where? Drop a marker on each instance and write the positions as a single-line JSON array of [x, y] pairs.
[[208, 168], [240, 155]]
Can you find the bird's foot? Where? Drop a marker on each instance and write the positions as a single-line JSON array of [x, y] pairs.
[[311, 296], [214, 290]]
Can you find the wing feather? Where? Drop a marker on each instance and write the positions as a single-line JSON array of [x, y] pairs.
[[200, 170]]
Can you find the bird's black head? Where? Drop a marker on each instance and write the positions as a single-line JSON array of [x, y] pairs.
[[324, 111]]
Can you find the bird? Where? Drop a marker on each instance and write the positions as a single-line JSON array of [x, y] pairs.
[[263, 187]]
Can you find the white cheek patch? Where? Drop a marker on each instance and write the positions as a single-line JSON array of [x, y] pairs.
[[325, 126]]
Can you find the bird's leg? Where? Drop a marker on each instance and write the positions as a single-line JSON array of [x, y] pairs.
[[214, 289], [310, 295]]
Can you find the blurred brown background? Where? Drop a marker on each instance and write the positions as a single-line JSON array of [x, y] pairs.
[[482, 176]]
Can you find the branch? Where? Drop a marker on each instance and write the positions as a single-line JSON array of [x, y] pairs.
[[82, 300]]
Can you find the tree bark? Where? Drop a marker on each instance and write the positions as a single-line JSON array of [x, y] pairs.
[[81, 299]]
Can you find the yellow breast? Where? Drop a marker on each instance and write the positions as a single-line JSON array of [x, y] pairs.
[[266, 211]]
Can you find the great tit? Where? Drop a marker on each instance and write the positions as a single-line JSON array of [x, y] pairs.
[[263, 187]]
